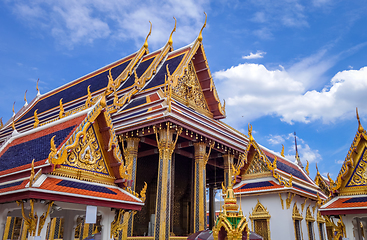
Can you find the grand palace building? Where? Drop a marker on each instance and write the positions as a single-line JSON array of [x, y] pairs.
[[133, 149]]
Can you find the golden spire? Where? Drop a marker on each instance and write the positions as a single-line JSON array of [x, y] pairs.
[[170, 36], [200, 37], [25, 98], [307, 166], [282, 152], [146, 39], [36, 121], [61, 114], [38, 91], [360, 128]]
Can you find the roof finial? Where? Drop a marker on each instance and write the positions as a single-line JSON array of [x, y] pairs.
[[146, 39], [13, 109], [38, 91], [200, 37], [170, 41], [250, 132], [25, 98], [307, 166], [1, 123], [317, 169], [282, 152], [360, 128]]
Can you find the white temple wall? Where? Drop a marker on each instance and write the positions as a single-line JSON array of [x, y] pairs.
[[281, 221]]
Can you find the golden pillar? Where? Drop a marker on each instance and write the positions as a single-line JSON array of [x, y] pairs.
[[166, 146], [228, 161], [131, 156], [201, 158]]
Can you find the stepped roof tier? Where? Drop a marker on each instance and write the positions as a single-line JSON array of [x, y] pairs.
[[67, 160]]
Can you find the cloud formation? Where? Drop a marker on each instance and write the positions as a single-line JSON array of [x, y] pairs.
[[258, 54], [253, 91], [73, 22]]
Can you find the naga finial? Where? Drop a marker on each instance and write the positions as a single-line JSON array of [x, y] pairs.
[[282, 152], [170, 41], [317, 169], [143, 192], [61, 113], [360, 128], [307, 166], [146, 39], [36, 121], [1, 123], [25, 98], [89, 97], [200, 37]]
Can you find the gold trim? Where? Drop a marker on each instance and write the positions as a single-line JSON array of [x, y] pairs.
[[281, 200], [303, 204], [259, 213], [289, 199]]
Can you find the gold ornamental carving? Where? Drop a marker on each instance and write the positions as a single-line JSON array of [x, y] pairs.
[[87, 155], [120, 223], [188, 90], [359, 178]]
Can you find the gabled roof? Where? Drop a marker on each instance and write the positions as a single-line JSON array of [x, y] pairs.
[[350, 180], [272, 173], [76, 152]]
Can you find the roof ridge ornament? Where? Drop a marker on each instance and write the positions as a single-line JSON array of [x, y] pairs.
[[1, 123], [61, 113], [170, 41], [360, 128], [13, 110], [38, 91], [25, 98], [36, 121], [200, 37], [282, 152], [146, 39]]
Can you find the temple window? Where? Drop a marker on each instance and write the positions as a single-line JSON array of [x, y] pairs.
[[310, 220], [260, 219], [321, 225], [321, 231], [297, 218], [310, 230]]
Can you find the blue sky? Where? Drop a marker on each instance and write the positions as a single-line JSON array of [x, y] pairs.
[[283, 65]]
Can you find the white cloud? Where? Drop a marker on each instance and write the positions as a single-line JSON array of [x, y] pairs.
[[304, 150], [73, 22], [339, 162], [253, 90], [258, 54]]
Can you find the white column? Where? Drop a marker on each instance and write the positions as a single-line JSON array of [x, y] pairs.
[[3, 215], [107, 218], [69, 224]]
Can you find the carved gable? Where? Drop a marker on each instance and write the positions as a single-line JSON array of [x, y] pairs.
[[87, 155], [257, 165], [188, 91], [359, 175]]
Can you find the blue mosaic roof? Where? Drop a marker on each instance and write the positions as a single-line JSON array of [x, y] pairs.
[[158, 79], [143, 66], [285, 168], [76, 91], [357, 199], [85, 186], [304, 189], [257, 185], [37, 149], [136, 102], [13, 184]]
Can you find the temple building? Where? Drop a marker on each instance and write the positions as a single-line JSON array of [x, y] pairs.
[[142, 139], [277, 196], [346, 208]]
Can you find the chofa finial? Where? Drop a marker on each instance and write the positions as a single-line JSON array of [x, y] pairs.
[[360, 128], [38, 91], [170, 41], [282, 152], [200, 37], [146, 39], [13, 109], [250, 132], [25, 99]]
